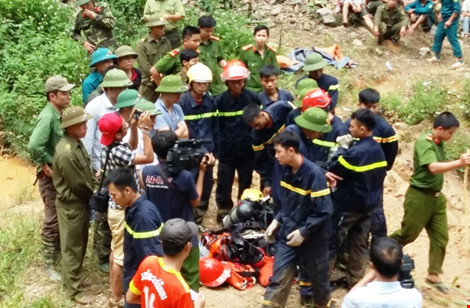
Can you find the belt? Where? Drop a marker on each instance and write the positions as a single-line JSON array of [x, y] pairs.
[[434, 193]]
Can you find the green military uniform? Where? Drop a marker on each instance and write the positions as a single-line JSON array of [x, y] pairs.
[[211, 53], [170, 64], [162, 8], [425, 205], [149, 52], [98, 31], [254, 62], [390, 22]]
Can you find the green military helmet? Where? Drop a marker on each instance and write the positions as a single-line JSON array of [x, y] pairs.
[[74, 115], [305, 83], [156, 21], [127, 98], [302, 93], [147, 106], [172, 84], [313, 62], [82, 2], [101, 54], [124, 51], [314, 119], [115, 78]]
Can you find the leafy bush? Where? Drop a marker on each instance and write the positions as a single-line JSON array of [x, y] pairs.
[[129, 27], [465, 103]]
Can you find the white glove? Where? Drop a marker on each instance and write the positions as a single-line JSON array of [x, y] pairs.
[[269, 235], [344, 141], [295, 238]]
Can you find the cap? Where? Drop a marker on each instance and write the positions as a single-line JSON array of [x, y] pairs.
[[125, 51], [314, 119], [58, 83], [177, 232], [305, 83], [155, 21], [102, 54], [147, 106], [109, 125], [313, 62], [115, 78], [74, 115], [172, 84], [127, 98]]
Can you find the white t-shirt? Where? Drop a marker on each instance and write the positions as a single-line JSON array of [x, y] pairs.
[[383, 295], [466, 6]]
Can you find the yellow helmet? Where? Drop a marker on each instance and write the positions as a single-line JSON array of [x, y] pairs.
[[252, 194], [199, 72]]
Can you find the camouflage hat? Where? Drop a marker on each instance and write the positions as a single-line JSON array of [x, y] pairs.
[[155, 21], [172, 84], [58, 83], [101, 54], [127, 98], [115, 78], [125, 51], [147, 106], [74, 115], [302, 93], [305, 83], [82, 2], [314, 119], [313, 62]]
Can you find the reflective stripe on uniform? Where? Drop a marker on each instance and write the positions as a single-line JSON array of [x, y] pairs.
[[191, 117], [230, 113], [260, 147], [333, 87], [323, 143], [271, 304], [390, 139], [304, 192], [304, 283], [142, 235], [364, 168]]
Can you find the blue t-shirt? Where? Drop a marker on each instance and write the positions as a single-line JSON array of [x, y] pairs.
[[167, 118]]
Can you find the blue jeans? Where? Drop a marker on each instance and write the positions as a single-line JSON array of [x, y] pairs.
[[466, 24], [451, 34]]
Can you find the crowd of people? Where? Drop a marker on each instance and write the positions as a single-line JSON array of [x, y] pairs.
[[325, 176]]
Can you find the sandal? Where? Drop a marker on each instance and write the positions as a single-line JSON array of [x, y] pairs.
[[439, 286], [83, 298], [113, 304]]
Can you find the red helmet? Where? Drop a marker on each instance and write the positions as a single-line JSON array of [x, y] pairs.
[[316, 98], [212, 272], [235, 70]]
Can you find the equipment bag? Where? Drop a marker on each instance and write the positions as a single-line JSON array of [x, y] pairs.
[[242, 276]]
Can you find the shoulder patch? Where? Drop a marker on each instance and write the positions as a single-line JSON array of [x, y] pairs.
[[272, 49], [215, 38], [174, 52], [429, 137], [247, 47]]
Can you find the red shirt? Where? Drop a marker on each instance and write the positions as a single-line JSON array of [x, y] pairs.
[[161, 286]]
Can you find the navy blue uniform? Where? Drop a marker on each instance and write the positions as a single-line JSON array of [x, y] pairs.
[[236, 152], [363, 168], [262, 140], [329, 84], [203, 123], [141, 237], [305, 205], [282, 95]]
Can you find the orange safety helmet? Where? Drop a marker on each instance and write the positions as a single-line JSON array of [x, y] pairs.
[[235, 70], [212, 272], [316, 98]]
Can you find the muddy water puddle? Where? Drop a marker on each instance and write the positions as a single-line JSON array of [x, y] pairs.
[[16, 182]]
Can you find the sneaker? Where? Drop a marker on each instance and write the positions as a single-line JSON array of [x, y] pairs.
[[457, 64], [434, 59], [306, 302], [53, 275]]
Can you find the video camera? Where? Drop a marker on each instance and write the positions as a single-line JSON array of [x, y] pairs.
[[406, 280], [186, 154]]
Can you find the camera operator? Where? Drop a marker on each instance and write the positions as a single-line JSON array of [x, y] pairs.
[[175, 195], [380, 286]]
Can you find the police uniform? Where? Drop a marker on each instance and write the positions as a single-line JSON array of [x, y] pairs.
[[236, 151], [448, 7], [203, 123], [329, 84], [305, 205], [162, 8], [389, 21], [170, 64], [425, 205], [211, 53], [363, 168], [72, 179], [149, 51], [254, 62], [98, 31], [282, 95]]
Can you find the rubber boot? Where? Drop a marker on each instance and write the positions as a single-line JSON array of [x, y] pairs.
[[50, 254]]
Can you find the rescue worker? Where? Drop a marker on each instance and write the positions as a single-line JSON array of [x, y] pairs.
[[425, 204], [266, 124], [101, 59], [126, 57], [360, 170], [150, 49], [97, 23], [200, 115], [46, 134], [212, 54], [73, 180], [171, 11], [236, 152], [258, 55], [269, 77], [171, 63], [390, 21], [303, 223], [314, 64]]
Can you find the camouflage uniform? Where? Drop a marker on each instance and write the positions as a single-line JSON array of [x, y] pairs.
[[211, 54], [390, 22], [149, 52], [98, 31]]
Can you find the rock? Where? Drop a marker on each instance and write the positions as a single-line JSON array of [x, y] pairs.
[[276, 10], [400, 126], [423, 51], [327, 16], [357, 42]]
